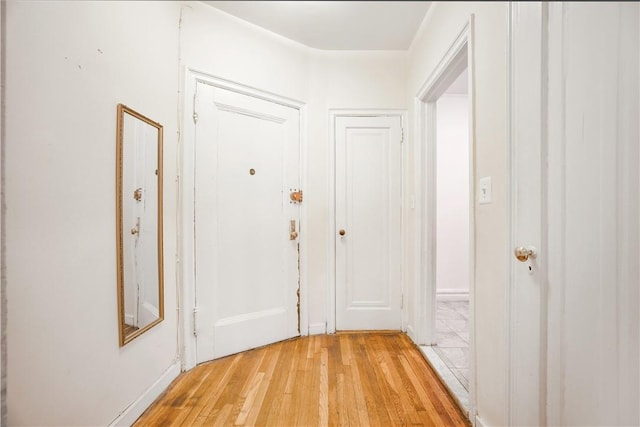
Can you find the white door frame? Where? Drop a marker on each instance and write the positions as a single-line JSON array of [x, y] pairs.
[[186, 231], [459, 55], [331, 258]]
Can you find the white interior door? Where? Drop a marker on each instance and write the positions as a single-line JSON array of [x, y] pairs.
[[592, 351], [368, 223], [574, 318], [246, 166]]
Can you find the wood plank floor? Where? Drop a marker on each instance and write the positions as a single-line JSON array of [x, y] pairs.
[[348, 379]]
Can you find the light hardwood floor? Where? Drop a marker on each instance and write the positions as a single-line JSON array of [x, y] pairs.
[[350, 379]]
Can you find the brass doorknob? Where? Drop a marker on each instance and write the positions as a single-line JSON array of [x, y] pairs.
[[342, 232], [523, 253]]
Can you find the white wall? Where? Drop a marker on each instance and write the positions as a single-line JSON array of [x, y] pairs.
[[452, 195], [68, 66], [219, 44], [444, 22]]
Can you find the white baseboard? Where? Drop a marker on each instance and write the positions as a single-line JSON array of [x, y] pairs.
[[317, 328], [133, 411], [480, 422], [412, 334], [452, 294]]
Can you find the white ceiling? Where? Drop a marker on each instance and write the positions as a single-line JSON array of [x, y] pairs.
[[335, 25]]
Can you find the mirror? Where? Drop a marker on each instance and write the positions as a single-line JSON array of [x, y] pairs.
[[138, 223]]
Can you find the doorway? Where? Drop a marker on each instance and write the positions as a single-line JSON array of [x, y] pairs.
[[452, 228], [445, 165]]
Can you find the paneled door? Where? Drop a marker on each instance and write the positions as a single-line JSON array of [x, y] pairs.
[[574, 324], [368, 222], [246, 223]]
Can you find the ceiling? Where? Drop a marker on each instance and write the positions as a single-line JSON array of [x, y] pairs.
[[335, 25]]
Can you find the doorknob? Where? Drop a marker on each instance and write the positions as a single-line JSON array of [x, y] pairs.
[[523, 253], [342, 232]]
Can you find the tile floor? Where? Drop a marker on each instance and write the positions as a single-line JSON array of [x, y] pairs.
[[452, 336]]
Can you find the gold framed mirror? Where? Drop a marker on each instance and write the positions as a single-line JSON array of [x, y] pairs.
[[138, 224]]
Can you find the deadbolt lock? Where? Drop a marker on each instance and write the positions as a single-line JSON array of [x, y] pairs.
[[296, 196]]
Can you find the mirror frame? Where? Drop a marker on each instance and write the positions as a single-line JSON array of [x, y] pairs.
[[122, 110]]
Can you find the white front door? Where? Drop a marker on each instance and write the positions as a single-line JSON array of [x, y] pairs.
[[368, 224], [246, 262]]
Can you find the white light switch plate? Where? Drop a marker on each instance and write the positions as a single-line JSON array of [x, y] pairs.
[[484, 190]]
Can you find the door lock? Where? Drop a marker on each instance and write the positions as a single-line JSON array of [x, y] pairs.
[[293, 234], [295, 196]]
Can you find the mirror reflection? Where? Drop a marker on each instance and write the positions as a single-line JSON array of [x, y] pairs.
[[139, 223]]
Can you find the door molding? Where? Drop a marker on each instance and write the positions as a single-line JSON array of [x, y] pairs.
[[185, 254], [459, 55], [331, 247]]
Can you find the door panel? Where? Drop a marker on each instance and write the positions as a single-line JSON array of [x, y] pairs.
[[368, 207], [247, 160]]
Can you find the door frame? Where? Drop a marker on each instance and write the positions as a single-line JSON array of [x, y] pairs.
[[185, 253], [334, 113], [459, 54]]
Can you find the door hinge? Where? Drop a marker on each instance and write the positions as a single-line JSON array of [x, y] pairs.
[[195, 326], [401, 300], [401, 135], [195, 102]]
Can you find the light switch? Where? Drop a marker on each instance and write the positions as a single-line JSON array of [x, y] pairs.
[[484, 189]]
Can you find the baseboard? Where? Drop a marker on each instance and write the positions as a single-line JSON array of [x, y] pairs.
[[317, 328], [480, 422], [133, 411], [411, 333], [452, 294]]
